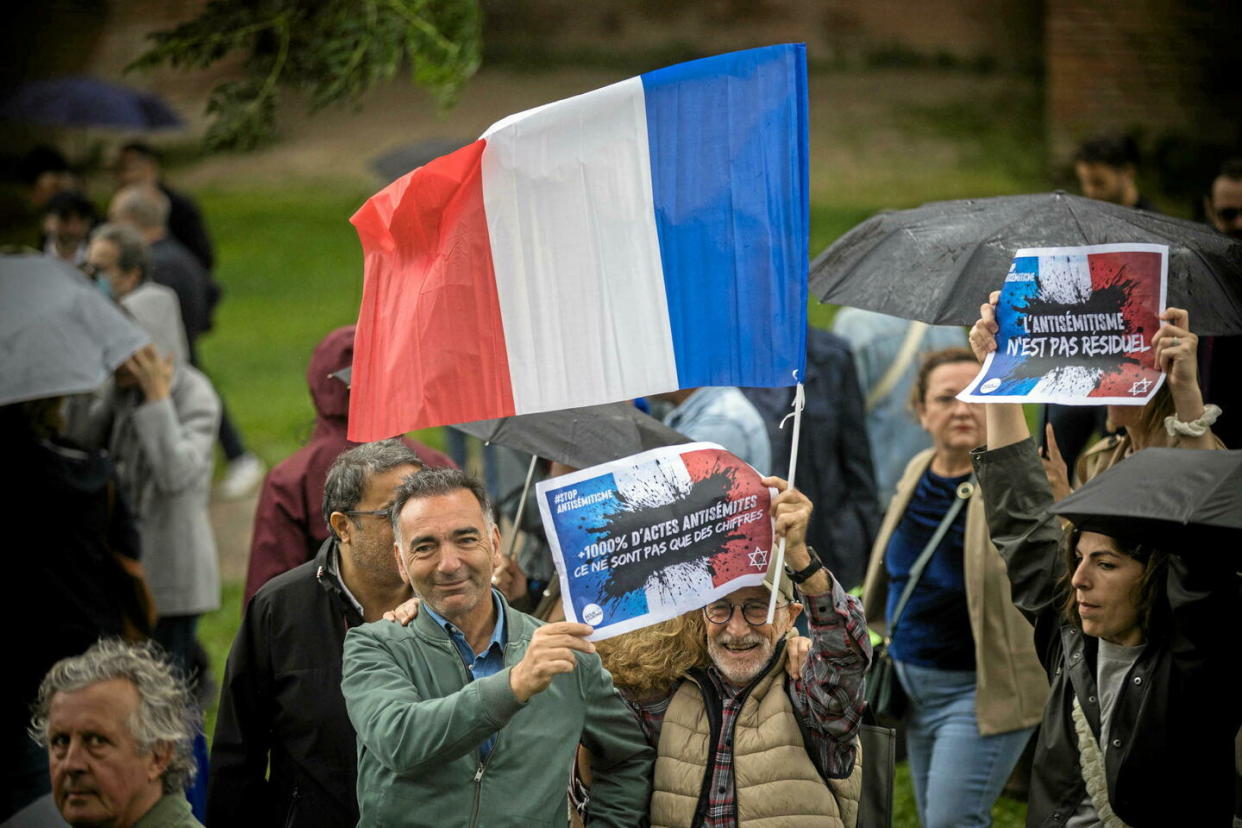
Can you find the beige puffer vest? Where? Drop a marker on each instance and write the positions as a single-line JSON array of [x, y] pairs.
[[777, 784]]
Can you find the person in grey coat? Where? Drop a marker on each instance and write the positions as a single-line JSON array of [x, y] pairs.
[[160, 423]]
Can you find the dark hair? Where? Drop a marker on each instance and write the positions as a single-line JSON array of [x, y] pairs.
[[1115, 151], [144, 149], [433, 482], [131, 248], [1151, 587], [932, 361], [71, 201], [352, 470], [39, 160], [1232, 168]]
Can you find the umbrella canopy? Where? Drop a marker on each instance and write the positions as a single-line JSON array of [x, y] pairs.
[[579, 437], [937, 263], [58, 334], [1175, 498], [83, 101]]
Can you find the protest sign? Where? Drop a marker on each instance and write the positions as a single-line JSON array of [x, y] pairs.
[[646, 538], [1076, 325]]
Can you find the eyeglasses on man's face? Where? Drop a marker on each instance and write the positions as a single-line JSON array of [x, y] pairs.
[[384, 513], [755, 613]]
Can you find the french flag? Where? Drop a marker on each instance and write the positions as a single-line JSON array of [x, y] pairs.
[[637, 239]]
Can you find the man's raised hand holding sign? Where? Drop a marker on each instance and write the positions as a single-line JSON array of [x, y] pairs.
[[551, 652], [791, 513]]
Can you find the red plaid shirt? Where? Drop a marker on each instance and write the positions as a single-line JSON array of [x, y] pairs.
[[827, 698]]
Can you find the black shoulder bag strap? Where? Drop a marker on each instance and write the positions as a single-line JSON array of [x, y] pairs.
[[964, 491]]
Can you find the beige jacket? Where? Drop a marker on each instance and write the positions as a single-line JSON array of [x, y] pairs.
[[1010, 685], [776, 782]]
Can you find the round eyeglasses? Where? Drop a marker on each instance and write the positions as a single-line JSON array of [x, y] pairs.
[[755, 613]]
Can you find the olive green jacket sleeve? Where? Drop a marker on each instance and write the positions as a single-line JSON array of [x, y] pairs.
[[621, 760], [403, 730]]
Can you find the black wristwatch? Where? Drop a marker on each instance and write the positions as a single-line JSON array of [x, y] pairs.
[[801, 575]]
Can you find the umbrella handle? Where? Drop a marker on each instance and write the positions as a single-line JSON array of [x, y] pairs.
[[778, 569], [521, 507]]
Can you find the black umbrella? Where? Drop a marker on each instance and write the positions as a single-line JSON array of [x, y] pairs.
[[82, 101], [578, 437], [1175, 498], [937, 263]]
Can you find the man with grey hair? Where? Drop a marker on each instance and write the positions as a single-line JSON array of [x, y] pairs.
[[145, 210], [476, 708], [281, 705], [118, 724], [118, 261]]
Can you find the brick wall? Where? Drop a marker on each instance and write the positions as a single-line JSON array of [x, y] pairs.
[[1164, 69]]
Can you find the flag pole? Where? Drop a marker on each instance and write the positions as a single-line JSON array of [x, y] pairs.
[[799, 401], [521, 507]]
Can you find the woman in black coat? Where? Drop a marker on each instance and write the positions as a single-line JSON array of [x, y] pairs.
[[1140, 645]]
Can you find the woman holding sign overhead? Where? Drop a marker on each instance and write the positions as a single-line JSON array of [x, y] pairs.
[[962, 653], [1139, 639]]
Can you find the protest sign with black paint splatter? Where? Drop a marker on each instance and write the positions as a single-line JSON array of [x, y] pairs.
[[1076, 325], [643, 539]]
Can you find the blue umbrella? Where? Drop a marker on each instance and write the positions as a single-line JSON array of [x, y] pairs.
[[83, 101]]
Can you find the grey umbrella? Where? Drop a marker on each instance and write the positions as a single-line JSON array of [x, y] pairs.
[[58, 334], [937, 263], [579, 437], [1176, 498]]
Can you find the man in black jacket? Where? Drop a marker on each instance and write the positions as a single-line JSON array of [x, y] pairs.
[[281, 702], [139, 163]]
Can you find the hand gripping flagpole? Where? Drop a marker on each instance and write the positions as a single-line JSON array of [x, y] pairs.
[[521, 507], [778, 569]]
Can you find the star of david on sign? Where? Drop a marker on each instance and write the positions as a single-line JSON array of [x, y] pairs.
[[759, 557], [1140, 387]]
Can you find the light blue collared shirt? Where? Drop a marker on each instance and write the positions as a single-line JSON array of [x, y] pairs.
[[722, 414], [487, 663]]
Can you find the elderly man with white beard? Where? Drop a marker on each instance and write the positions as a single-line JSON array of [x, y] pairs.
[[770, 747]]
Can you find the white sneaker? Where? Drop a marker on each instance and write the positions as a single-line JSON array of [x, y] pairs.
[[241, 477]]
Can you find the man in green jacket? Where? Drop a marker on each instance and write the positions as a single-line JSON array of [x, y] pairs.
[[472, 714]]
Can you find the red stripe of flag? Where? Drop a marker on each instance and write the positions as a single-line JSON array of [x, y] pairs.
[[429, 279]]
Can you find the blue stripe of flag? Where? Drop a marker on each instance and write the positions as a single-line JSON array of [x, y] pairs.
[[728, 137]]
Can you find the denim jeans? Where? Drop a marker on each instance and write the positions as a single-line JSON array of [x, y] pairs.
[[958, 774]]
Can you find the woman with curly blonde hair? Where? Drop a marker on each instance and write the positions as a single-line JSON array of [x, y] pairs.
[[647, 662]]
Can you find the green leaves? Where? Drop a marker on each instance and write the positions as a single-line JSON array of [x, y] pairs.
[[333, 51]]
